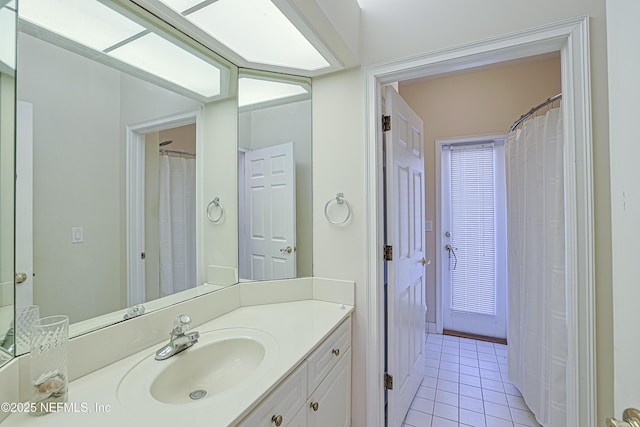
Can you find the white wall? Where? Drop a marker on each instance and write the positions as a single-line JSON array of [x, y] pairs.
[[7, 182], [220, 179], [280, 124], [141, 102], [81, 110], [76, 157], [404, 28], [339, 252], [624, 91]]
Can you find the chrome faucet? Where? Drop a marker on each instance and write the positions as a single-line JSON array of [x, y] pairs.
[[180, 340]]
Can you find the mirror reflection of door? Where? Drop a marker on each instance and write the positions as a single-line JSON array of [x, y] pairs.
[[170, 216], [274, 178], [268, 242]]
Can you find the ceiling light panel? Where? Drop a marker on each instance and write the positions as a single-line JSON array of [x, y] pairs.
[[254, 91], [84, 21], [182, 5], [257, 31], [159, 57], [8, 46]]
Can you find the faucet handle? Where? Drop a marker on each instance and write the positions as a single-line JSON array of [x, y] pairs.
[[182, 324]]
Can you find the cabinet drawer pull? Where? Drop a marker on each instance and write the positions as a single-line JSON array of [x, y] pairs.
[[277, 420], [314, 406], [336, 351]]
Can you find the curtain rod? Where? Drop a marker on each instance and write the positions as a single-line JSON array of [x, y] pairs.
[[182, 153], [533, 110]]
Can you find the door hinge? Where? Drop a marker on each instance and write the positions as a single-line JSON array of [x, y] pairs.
[[388, 382], [143, 255], [386, 123], [388, 253]]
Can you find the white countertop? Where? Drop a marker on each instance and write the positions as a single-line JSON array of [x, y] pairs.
[[298, 327]]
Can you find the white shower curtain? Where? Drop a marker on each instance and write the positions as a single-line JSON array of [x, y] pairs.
[[177, 219], [536, 266]]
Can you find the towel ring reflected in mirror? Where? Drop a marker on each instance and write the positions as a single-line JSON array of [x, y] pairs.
[[215, 203], [340, 200]]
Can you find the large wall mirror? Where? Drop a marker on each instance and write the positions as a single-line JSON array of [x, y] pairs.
[[7, 174], [133, 144], [274, 176]]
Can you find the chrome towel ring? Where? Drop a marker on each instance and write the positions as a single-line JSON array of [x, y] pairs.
[[215, 203], [339, 199]]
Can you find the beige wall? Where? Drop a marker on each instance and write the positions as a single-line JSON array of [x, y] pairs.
[[183, 137], [482, 102], [415, 27]]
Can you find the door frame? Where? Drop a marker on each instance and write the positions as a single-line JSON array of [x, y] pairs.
[[135, 201], [571, 38], [439, 142]]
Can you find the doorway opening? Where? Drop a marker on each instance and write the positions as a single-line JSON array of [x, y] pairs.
[[570, 38], [174, 139], [471, 225], [170, 211]]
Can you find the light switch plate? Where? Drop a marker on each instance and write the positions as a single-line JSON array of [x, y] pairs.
[[77, 235]]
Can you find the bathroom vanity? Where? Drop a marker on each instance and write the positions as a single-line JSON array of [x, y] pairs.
[[317, 393], [266, 363]]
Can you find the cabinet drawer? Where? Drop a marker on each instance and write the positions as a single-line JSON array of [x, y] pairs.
[[330, 403], [285, 401], [328, 354]]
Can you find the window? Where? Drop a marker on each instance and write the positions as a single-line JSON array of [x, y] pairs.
[[473, 228]]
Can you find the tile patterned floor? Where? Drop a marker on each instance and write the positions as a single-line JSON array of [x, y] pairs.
[[466, 384]]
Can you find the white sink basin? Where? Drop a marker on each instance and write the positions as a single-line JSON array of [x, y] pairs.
[[221, 361]]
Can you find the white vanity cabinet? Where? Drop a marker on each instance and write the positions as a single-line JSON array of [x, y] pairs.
[[317, 393], [329, 404]]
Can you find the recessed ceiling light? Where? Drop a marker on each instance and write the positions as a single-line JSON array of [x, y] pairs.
[[257, 31], [86, 22], [160, 57], [254, 91]]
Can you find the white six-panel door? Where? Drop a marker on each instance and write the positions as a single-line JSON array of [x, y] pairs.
[[404, 148], [270, 201]]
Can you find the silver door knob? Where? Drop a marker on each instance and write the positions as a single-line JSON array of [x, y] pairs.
[[287, 250], [21, 277], [630, 416]]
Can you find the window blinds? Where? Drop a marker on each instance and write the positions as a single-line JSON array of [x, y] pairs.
[[473, 275]]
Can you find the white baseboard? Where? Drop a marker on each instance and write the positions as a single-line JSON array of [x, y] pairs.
[[431, 328]]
